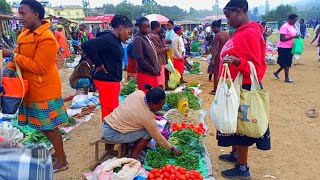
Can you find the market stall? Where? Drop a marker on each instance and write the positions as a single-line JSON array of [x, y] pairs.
[[181, 122], [9, 30], [66, 23]]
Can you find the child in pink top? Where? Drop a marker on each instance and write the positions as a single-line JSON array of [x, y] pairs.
[[288, 33]]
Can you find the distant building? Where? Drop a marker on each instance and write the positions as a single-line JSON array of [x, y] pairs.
[[69, 12], [74, 12], [97, 11]]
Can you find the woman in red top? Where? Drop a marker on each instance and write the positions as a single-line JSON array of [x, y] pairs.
[[246, 44]]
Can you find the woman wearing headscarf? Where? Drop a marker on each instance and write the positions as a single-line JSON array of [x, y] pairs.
[[62, 41], [237, 51], [178, 55]]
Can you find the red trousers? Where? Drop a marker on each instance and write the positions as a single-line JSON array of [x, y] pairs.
[[143, 79], [108, 95]]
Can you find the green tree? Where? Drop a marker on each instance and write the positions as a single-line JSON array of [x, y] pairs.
[[267, 7], [125, 8], [280, 13], [150, 7], [109, 8], [254, 14], [5, 7]]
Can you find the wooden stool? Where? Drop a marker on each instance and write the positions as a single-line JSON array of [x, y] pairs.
[[109, 150]]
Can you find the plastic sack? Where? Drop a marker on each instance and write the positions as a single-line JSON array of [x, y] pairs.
[[174, 79], [208, 60], [225, 105], [9, 132], [131, 169], [169, 66], [297, 46], [80, 101]]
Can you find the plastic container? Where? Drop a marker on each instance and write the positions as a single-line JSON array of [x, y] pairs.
[[183, 105]]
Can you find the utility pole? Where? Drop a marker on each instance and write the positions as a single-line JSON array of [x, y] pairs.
[[217, 5], [86, 7]]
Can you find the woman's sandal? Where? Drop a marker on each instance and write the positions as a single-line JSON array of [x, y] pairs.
[[60, 167], [289, 81], [213, 92]]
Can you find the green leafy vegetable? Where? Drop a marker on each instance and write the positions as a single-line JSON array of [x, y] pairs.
[[129, 88], [72, 122], [188, 142], [196, 68], [189, 161], [193, 100]]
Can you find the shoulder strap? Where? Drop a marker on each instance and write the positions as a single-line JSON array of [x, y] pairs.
[[21, 80]]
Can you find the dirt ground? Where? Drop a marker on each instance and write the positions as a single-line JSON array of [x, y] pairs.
[[295, 137]]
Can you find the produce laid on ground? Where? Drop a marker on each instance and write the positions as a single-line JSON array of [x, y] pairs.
[[197, 129], [85, 111], [196, 68], [72, 122], [188, 141], [192, 84], [175, 115], [37, 137], [193, 100], [174, 172], [129, 88]]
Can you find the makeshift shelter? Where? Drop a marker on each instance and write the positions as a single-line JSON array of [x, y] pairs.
[[101, 21], [9, 30], [157, 17], [66, 23], [188, 25]]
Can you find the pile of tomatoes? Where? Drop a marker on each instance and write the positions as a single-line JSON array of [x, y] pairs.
[[197, 129], [172, 172]]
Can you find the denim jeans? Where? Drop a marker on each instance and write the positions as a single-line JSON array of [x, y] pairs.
[[113, 135]]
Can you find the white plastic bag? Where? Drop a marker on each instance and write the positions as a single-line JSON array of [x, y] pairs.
[[225, 105], [169, 66]]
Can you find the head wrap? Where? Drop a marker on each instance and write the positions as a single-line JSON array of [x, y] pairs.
[[59, 26], [241, 4], [177, 29]]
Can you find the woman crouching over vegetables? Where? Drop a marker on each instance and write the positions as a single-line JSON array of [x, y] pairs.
[[134, 120]]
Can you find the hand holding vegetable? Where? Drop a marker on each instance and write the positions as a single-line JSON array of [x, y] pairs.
[[175, 150]]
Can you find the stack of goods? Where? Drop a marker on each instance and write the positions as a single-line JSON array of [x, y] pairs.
[[192, 157], [271, 53]]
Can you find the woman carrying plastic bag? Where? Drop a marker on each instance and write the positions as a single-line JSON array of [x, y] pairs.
[[224, 108]]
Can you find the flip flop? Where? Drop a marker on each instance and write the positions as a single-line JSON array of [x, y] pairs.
[[212, 92], [289, 81], [61, 168], [276, 76]]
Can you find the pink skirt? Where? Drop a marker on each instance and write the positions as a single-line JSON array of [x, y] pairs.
[[161, 78]]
